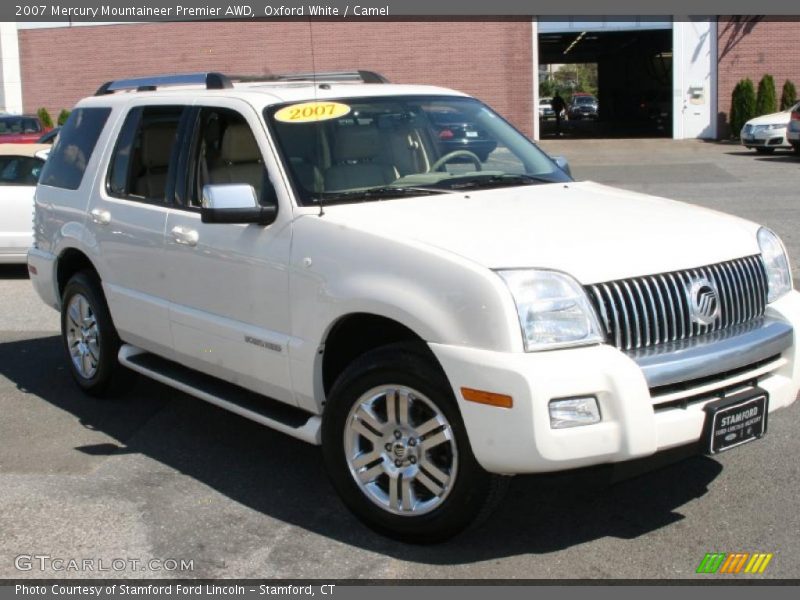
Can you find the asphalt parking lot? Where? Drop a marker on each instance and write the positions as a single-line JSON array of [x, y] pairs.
[[159, 475]]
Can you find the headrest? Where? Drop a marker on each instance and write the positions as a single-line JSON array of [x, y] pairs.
[[157, 143], [356, 143], [239, 145]]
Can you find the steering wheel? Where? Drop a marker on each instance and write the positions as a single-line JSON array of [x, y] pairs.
[[455, 154]]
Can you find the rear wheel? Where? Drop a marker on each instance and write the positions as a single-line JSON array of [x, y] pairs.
[[397, 451], [90, 339]]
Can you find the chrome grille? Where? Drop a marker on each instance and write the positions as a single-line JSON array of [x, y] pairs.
[[650, 310]]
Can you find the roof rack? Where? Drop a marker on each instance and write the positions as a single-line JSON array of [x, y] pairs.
[[218, 81], [212, 81], [360, 75]]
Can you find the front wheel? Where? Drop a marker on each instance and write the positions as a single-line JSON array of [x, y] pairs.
[[397, 451], [90, 339]]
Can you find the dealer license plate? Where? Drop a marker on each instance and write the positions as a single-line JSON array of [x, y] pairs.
[[736, 420]]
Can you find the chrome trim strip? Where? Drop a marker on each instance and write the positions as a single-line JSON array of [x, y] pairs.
[[712, 353]]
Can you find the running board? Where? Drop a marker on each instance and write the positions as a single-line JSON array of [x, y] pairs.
[[250, 405]]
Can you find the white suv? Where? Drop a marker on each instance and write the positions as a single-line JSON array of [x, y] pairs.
[[312, 253]]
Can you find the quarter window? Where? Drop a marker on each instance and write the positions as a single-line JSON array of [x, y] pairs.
[[73, 149]]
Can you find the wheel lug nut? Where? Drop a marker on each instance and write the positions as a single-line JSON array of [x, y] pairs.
[[412, 442], [412, 460], [388, 447], [398, 463], [397, 434]]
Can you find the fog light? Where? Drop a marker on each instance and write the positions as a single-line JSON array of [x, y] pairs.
[[574, 412]]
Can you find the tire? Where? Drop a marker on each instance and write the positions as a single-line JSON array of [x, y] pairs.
[[765, 150], [446, 490], [91, 349]]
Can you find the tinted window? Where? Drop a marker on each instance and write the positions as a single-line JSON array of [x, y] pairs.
[[140, 164], [73, 149], [20, 170]]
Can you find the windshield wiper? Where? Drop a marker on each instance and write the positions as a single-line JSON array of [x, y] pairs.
[[497, 180], [383, 191]]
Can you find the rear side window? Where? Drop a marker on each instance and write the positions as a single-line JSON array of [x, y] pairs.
[[139, 168], [73, 149], [20, 170]]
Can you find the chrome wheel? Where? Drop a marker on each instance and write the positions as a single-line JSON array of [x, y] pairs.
[[83, 339], [400, 450]]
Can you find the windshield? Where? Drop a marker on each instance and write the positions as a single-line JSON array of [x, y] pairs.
[[584, 100], [359, 149]]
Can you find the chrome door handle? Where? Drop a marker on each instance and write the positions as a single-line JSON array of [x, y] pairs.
[[101, 217], [185, 236]]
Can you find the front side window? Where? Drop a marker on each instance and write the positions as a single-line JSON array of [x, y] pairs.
[[359, 149], [140, 164], [20, 170], [71, 153], [225, 151]]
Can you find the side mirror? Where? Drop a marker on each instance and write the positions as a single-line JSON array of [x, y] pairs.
[[234, 203], [563, 164]]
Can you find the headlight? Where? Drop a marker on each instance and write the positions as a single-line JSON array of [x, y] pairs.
[[777, 126], [553, 310], [779, 276]]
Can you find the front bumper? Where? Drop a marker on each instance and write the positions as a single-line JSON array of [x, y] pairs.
[[767, 138], [636, 420]]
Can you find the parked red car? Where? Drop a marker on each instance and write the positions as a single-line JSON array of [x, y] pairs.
[[21, 129]]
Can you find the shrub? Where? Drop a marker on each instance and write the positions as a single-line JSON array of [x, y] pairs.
[[788, 95], [45, 117], [63, 116], [743, 105], [766, 100]]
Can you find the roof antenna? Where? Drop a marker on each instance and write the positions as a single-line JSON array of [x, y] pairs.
[[314, 84]]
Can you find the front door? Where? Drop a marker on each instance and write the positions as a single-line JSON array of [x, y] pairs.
[[229, 283]]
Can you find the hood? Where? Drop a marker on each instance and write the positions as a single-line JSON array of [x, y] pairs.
[[591, 231], [778, 118]]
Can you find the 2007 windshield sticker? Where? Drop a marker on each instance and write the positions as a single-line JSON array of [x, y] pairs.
[[311, 111]]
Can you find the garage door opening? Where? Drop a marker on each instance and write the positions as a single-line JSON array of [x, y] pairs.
[[614, 83]]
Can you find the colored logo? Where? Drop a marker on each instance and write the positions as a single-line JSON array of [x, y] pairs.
[[733, 563]]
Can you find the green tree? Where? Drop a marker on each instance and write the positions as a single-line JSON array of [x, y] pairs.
[[766, 100], [788, 95], [743, 105], [45, 117], [63, 116]]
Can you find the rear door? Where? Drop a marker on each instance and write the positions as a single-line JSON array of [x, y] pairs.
[[128, 215], [229, 283]]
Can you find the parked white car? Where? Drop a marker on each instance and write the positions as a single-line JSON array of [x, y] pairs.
[[767, 132], [302, 251], [20, 166]]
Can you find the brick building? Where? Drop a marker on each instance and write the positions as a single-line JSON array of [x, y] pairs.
[[495, 60]]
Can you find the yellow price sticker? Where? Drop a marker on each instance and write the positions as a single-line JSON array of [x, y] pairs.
[[311, 111]]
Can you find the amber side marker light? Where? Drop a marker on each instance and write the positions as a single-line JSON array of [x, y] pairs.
[[481, 397], [32, 270]]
